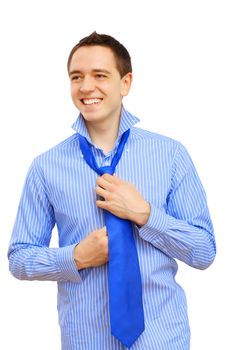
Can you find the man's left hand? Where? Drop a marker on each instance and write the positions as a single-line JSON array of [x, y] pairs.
[[122, 199]]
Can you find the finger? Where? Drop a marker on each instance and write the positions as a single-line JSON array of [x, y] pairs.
[[107, 177], [102, 204], [113, 179], [100, 191], [104, 183], [104, 230]]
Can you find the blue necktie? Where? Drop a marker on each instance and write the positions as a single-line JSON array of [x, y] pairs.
[[124, 279]]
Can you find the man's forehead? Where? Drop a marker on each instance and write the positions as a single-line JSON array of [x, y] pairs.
[[95, 57]]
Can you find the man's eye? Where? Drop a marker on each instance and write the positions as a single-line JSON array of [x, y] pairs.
[[75, 77], [100, 76]]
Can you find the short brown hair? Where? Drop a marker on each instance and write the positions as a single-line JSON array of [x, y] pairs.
[[122, 57]]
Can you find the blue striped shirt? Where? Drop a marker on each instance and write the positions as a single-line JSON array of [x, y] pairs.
[[59, 190]]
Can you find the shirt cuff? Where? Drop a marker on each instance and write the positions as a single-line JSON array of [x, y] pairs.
[[66, 263], [156, 224]]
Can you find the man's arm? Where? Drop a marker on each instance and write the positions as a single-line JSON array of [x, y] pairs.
[[182, 229], [30, 257]]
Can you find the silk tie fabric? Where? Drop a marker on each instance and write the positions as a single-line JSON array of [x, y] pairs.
[[124, 279]]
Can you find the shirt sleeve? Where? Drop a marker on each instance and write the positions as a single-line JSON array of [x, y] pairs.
[[182, 229], [30, 257]]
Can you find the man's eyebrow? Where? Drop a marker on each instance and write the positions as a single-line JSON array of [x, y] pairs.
[[96, 70], [74, 72], [99, 70]]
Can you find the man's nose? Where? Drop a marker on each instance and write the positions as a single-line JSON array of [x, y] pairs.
[[87, 84]]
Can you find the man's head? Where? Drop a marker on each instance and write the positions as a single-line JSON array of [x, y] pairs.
[[100, 73], [122, 57]]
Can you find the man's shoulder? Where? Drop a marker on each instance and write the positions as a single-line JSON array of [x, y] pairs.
[[150, 136], [57, 151], [159, 145]]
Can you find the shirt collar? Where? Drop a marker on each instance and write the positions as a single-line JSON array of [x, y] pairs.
[[127, 120]]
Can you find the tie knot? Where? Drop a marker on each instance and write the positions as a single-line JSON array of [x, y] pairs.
[[89, 157], [107, 170]]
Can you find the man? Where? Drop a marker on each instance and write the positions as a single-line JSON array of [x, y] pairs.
[[155, 187]]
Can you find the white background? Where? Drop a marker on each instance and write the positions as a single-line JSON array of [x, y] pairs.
[[183, 84]]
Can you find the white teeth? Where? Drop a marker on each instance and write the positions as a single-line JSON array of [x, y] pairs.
[[91, 101]]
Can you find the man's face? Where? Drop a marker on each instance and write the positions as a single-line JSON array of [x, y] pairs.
[[96, 86]]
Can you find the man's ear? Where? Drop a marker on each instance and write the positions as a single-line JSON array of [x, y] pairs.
[[126, 82]]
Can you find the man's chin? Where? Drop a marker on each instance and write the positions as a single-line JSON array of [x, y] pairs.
[[92, 117]]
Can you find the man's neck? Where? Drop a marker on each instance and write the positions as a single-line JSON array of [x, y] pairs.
[[104, 134]]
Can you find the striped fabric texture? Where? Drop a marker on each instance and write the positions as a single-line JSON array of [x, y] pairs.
[[59, 190]]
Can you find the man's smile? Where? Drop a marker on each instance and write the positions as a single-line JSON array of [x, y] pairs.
[[91, 101]]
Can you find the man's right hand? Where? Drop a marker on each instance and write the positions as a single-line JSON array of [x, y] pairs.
[[92, 250]]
